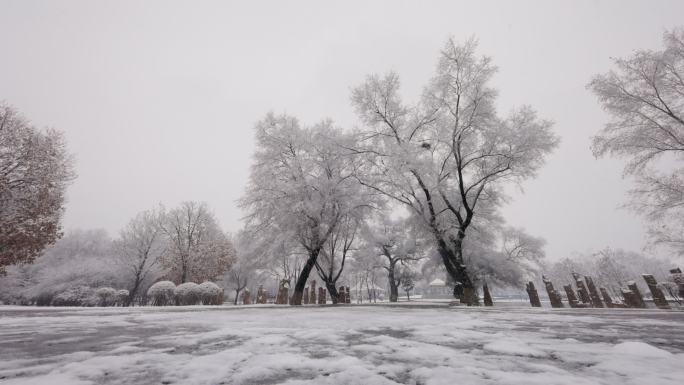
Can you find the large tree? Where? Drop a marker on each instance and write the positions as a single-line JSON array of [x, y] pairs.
[[198, 250], [300, 190], [644, 96], [139, 249], [394, 244], [35, 169], [447, 157]]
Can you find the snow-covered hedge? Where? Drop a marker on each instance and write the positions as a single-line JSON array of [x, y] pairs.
[[76, 296], [210, 293], [187, 293], [162, 293], [106, 296], [121, 297]]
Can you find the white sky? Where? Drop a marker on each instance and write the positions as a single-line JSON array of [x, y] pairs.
[[158, 99]]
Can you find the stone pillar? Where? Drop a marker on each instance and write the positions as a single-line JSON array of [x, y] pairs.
[[554, 296], [261, 295], [246, 297], [312, 298], [283, 292], [487, 297], [633, 297], [593, 293], [656, 292], [348, 297], [534, 296], [341, 295], [305, 297], [678, 279], [572, 298], [606, 298], [582, 291], [322, 296]]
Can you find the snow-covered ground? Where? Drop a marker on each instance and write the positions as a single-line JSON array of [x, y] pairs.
[[340, 345]]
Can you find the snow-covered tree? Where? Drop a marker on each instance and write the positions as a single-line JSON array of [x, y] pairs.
[[331, 261], [300, 190], [408, 277], [394, 244], [239, 276], [139, 249], [644, 96], [35, 169], [198, 250], [447, 157]]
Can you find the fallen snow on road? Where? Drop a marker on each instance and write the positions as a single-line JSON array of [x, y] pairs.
[[340, 345]]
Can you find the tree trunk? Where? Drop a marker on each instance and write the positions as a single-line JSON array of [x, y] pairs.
[[332, 290], [487, 296], [464, 288], [184, 272], [303, 277], [237, 295], [132, 293], [394, 287]]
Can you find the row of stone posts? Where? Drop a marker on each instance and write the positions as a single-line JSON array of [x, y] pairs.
[[589, 296], [310, 295], [554, 296]]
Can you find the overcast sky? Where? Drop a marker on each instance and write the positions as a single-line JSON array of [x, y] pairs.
[[158, 99]]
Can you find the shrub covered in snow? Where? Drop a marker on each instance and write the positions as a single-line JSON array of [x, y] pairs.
[[187, 293], [106, 296], [210, 293], [162, 293], [121, 297], [76, 296]]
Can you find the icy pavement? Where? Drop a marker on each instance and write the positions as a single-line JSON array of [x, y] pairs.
[[340, 345]]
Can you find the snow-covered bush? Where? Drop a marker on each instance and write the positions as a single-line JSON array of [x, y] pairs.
[[106, 296], [76, 296], [161, 293], [80, 258], [121, 297], [187, 293], [210, 293]]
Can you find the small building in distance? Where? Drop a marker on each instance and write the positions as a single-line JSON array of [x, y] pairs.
[[438, 289]]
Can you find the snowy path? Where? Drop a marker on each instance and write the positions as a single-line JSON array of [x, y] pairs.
[[345, 345]]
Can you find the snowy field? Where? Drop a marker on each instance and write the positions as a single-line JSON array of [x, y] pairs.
[[340, 345]]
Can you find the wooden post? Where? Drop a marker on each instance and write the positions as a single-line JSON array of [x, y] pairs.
[[554, 296], [606, 298], [532, 293], [593, 293], [658, 296], [582, 291], [487, 296], [572, 298]]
